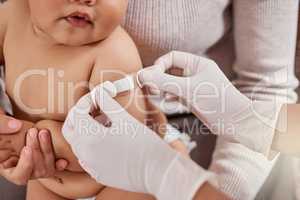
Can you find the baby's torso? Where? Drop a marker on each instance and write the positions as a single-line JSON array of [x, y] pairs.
[[44, 81]]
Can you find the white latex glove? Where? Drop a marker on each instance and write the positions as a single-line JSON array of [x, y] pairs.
[[128, 155], [214, 100]]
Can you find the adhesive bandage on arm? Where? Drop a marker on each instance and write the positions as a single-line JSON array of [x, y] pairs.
[[114, 88], [138, 81]]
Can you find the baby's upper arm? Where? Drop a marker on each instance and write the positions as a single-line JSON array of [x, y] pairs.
[[119, 59], [4, 16]]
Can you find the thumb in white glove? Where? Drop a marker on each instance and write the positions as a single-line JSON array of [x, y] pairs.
[[214, 100], [128, 155]]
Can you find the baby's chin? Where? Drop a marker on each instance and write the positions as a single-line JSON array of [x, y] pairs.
[[75, 39]]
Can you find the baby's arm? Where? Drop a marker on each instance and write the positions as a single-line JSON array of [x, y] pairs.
[[124, 59], [124, 64], [120, 59]]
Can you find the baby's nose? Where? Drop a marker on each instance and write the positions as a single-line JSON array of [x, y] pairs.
[[86, 2]]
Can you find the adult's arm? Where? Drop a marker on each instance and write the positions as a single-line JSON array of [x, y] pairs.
[[234, 163], [207, 191], [265, 35], [240, 171], [265, 43], [288, 130]]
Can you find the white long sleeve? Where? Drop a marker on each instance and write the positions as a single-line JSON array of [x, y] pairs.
[[265, 34], [240, 171], [257, 37]]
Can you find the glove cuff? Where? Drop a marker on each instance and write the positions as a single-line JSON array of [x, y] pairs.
[[255, 127], [241, 172], [182, 180]]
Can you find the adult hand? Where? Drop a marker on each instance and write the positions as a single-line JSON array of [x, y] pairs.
[[36, 160], [214, 100], [126, 154], [8, 125]]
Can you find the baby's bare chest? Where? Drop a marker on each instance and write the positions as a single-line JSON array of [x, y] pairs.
[[45, 83]]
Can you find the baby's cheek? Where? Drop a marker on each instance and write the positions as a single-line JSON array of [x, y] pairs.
[[111, 14]]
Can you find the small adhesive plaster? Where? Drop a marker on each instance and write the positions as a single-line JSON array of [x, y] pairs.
[[140, 85], [114, 88], [187, 72], [125, 84], [108, 86]]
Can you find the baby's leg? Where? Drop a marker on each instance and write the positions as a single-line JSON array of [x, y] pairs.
[[61, 147], [67, 183], [15, 142], [36, 191], [109, 193]]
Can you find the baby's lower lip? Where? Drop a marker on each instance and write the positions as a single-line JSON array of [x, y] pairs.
[[76, 22]]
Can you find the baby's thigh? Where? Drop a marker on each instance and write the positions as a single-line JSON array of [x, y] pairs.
[[36, 191], [112, 194]]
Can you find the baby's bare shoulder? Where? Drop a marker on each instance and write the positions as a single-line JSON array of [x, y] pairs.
[[119, 52], [116, 58]]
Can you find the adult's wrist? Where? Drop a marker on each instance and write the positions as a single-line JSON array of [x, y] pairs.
[[182, 179], [240, 171]]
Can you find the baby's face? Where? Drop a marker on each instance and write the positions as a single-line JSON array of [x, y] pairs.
[[77, 22]]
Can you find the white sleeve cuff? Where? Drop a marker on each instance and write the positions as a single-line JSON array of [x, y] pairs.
[[240, 171]]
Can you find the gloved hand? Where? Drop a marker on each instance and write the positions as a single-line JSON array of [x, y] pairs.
[[214, 100], [128, 155]]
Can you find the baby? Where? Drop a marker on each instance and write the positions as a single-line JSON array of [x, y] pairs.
[[54, 52]]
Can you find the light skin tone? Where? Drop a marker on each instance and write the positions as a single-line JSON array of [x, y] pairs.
[[207, 191], [20, 170], [19, 174], [80, 49], [49, 38], [287, 130], [96, 46]]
